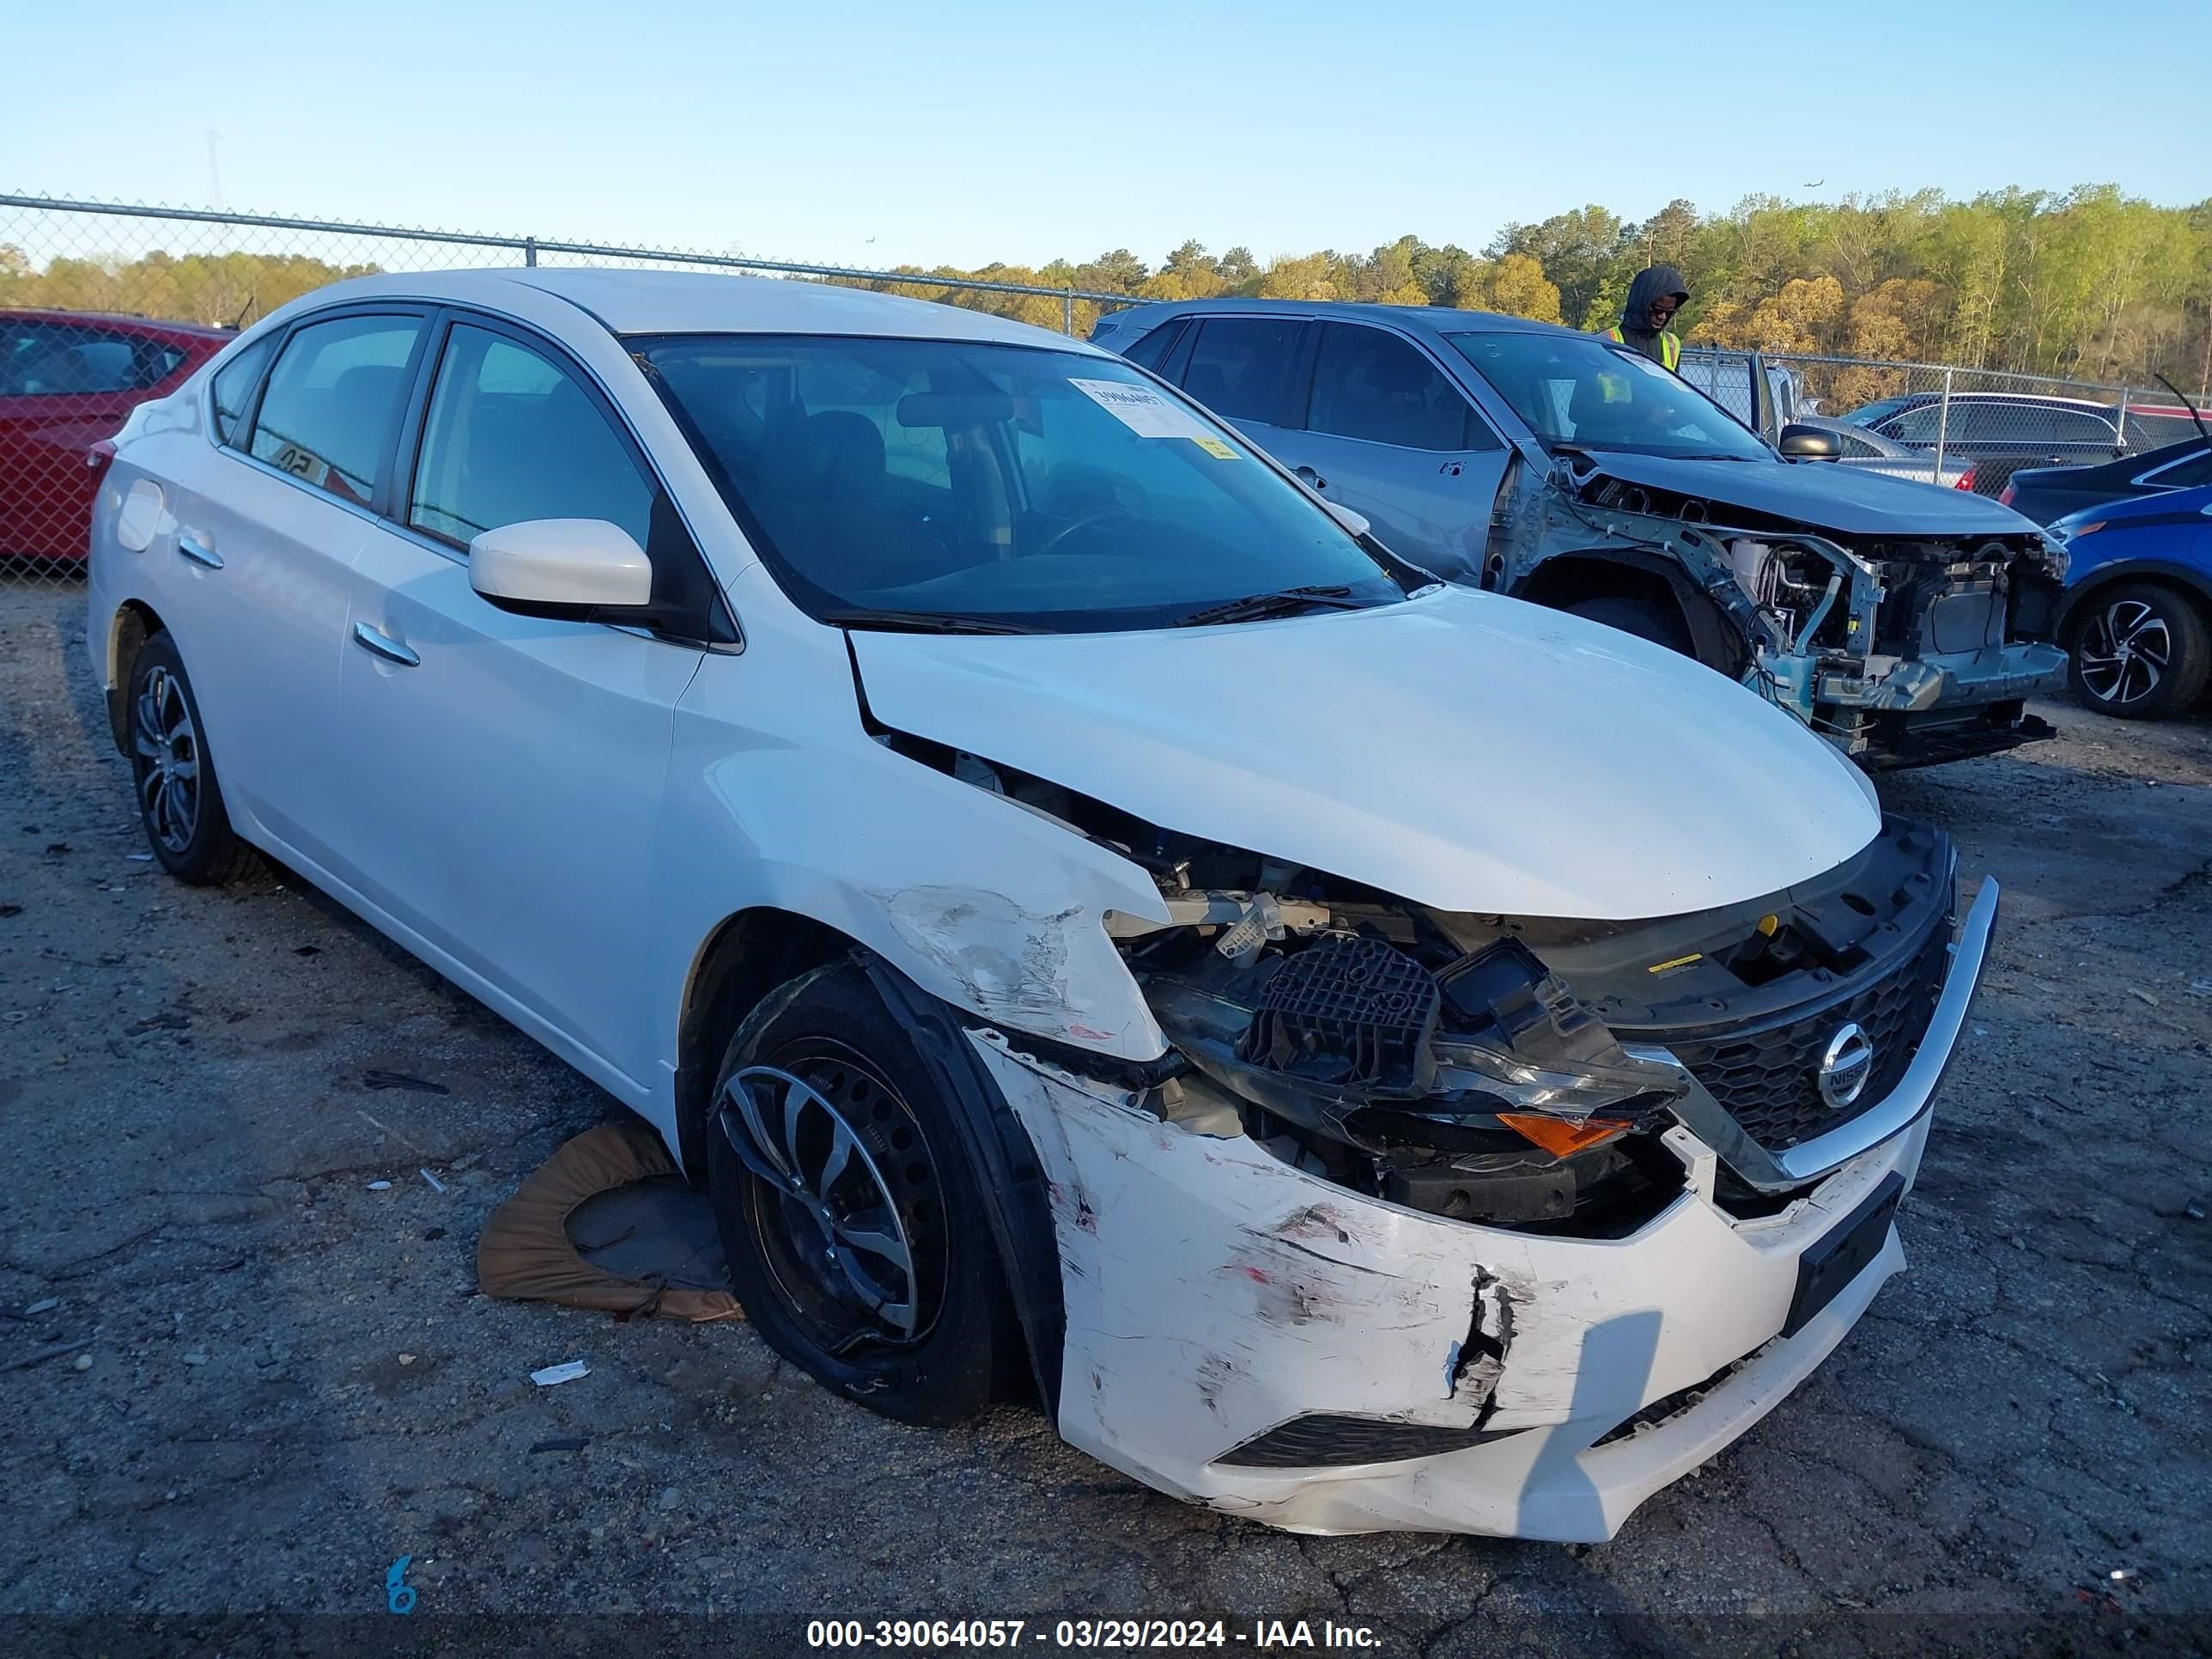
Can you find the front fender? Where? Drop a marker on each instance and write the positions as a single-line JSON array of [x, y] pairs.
[[981, 903], [2186, 577]]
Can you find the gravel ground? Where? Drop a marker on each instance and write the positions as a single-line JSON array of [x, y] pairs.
[[291, 1383]]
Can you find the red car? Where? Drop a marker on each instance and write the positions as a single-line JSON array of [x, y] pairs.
[[67, 381]]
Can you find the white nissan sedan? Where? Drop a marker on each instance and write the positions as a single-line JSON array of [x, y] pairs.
[[1367, 1053]]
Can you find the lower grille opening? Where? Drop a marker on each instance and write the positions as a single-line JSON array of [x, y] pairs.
[[1668, 1407], [1325, 1440]]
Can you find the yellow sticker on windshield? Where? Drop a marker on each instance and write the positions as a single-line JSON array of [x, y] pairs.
[[1214, 447]]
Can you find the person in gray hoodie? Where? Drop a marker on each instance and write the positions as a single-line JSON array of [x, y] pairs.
[[1654, 297]]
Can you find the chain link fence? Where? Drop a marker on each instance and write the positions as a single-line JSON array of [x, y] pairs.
[[103, 305]]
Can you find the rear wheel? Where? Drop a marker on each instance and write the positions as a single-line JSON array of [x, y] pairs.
[[2140, 651], [852, 1217], [180, 798], [1645, 618]]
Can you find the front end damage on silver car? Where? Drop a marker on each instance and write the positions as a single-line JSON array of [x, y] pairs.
[[1900, 650]]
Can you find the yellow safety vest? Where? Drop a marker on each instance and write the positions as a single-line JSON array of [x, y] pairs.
[[1670, 348]]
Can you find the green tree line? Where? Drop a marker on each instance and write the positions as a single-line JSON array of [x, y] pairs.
[[2086, 283]]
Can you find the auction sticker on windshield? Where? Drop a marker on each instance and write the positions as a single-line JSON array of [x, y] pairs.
[[1148, 415]]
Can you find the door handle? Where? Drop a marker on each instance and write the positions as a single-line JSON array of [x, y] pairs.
[[197, 551], [1314, 479], [380, 644]]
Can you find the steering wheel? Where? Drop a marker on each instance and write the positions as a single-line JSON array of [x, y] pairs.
[[1084, 521]]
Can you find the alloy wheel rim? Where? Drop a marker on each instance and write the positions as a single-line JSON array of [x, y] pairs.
[[2125, 652], [166, 747], [851, 1231]]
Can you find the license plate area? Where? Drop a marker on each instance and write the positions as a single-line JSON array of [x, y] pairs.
[[1843, 1253]]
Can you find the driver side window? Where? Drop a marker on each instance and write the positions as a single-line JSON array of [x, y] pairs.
[[511, 437]]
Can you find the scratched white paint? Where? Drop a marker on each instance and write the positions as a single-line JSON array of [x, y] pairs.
[[1213, 1291]]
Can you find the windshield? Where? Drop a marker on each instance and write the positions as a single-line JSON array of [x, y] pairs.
[[921, 480], [1581, 391]]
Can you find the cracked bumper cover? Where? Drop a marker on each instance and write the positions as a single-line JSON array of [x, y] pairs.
[[1213, 1293]]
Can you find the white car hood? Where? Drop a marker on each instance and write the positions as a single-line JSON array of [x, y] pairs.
[[1462, 751]]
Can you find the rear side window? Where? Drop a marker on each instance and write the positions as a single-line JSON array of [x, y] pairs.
[[2076, 425], [1152, 350], [511, 437], [1241, 368], [234, 385], [2184, 474], [333, 401], [1375, 387]]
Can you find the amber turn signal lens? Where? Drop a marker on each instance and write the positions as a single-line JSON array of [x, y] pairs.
[[1560, 1137]]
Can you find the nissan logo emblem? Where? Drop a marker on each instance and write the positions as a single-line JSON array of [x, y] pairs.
[[1847, 1068]]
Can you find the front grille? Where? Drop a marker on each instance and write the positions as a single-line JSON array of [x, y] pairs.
[[1768, 1080]]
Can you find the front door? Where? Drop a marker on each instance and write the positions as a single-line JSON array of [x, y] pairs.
[[507, 771]]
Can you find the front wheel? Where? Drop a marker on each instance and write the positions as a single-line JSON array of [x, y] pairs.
[[2140, 651], [180, 798], [851, 1214]]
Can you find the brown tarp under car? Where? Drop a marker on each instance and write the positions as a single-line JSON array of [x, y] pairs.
[[608, 1222]]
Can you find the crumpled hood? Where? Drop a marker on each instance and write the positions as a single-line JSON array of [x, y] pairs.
[[1462, 750], [1852, 500]]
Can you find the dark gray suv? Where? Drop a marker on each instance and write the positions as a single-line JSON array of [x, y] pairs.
[[1906, 623]]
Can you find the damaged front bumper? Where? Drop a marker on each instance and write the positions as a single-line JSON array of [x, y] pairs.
[[1245, 1334], [1900, 652]]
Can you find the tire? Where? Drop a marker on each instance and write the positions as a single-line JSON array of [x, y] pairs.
[[821, 1052], [1661, 625], [2140, 651], [173, 778]]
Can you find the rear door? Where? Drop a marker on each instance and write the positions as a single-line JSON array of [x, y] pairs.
[[505, 773], [256, 572], [64, 387], [1250, 371], [1391, 436]]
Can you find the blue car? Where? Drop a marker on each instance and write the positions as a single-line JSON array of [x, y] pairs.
[[2137, 615]]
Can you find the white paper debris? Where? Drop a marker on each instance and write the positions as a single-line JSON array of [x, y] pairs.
[[379, 1185], [554, 1375]]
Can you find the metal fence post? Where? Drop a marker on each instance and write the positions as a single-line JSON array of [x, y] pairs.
[[2120, 427], [1068, 311], [530, 250], [1942, 429]]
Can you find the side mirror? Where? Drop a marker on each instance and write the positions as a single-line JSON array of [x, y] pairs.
[[1356, 523], [1809, 443], [569, 569]]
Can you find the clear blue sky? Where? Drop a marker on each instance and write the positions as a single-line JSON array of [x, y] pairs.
[[963, 132]]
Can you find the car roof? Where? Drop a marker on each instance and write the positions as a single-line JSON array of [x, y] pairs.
[[124, 320], [629, 302], [1429, 320], [2037, 399]]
